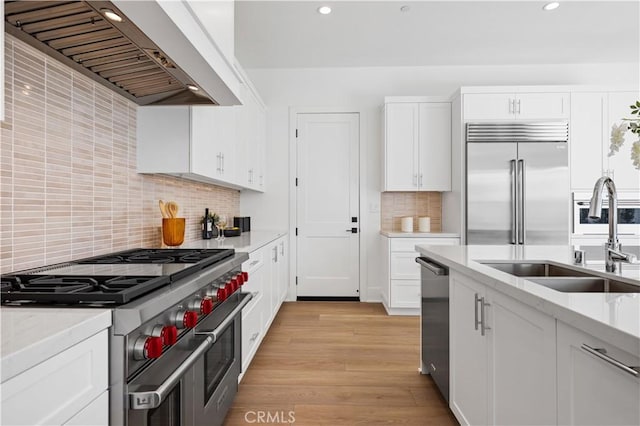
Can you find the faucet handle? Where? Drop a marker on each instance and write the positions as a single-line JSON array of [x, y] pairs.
[[579, 257]]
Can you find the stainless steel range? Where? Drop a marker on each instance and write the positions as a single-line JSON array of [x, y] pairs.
[[175, 341]]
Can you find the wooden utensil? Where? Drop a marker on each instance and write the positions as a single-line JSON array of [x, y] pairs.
[[172, 209], [163, 209]]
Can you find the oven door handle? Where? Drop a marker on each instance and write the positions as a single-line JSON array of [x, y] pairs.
[[146, 400], [230, 318]]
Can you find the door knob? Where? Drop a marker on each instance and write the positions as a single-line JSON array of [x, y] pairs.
[[352, 230]]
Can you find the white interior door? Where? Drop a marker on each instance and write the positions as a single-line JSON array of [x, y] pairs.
[[327, 202]]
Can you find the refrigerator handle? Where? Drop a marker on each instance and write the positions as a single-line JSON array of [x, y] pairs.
[[521, 222], [514, 202]]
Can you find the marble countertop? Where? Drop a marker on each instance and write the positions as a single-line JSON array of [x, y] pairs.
[[32, 335], [396, 234], [612, 317], [247, 242]]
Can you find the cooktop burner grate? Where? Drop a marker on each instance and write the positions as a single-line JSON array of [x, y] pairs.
[[200, 256], [76, 289], [115, 280]]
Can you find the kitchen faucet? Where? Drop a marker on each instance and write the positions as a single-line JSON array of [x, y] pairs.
[[612, 250]]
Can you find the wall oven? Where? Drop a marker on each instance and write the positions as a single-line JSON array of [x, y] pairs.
[[196, 380], [628, 215]]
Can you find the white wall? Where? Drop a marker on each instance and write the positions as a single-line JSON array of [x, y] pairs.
[[363, 90]]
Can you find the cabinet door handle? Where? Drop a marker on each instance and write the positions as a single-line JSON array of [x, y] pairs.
[[222, 154], [483, 326], [420, 181], [602, 354], [475, 307], [511, 106], [254, 336], [518, 111], [415, 179], [218, 162]]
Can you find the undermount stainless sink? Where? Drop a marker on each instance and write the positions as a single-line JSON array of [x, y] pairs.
[[566, 280], [536, 270], [586, 285]]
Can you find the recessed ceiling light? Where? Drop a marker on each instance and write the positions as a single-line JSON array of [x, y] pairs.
[[324, 10], [551, 6], [405, 8], [111, 15], [192, 87]]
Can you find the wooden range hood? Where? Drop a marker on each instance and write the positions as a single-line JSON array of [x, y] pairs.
[[118, 55]]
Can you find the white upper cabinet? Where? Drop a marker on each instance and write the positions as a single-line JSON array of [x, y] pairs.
[[593, 115], [400, 146], [515, 106], [588, 111], [250, 122], [192, 142], [417, 146], [220, 145], [213, 137]]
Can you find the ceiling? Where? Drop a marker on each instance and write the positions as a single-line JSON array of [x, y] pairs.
[[292, 34]]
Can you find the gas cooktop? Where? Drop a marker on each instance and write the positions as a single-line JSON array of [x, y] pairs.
[[115, 278]]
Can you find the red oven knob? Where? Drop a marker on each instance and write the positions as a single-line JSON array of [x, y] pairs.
[[201, 305], [190, 319], [245, 275], [168, 333], [147, 347], [206, 306], [222, 294], [228, 288], [185, 319], [234, 284], [240, 278]]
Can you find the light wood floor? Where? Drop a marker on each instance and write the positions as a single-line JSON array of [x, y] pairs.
[[339, 363]]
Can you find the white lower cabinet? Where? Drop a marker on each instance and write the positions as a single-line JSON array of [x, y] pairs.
[[503, 366], [592, 390], [63, 386], [94, 414], [252, 330], [401, 293], [268, 281]]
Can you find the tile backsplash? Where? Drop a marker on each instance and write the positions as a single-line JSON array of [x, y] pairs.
[[395, 205], [68, 181]]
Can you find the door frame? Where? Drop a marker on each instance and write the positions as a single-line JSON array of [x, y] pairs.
[[293, 196]]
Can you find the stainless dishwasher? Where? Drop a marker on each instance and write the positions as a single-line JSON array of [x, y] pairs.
[[434, 317]]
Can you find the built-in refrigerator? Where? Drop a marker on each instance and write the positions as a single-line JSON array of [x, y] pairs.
[[517, 183]]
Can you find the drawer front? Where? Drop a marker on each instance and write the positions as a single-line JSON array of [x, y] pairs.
[[405, 293], [58, 388], [251, 331], [409, 244], [404, 266]]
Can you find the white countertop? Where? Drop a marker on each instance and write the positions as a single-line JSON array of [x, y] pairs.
[[396, 234], [32, 335], [247, 242], [612, 317]]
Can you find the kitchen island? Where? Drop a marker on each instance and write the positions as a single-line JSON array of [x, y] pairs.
[[523, 352]]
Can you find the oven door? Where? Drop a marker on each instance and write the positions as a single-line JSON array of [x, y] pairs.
[[216, 381], [194, 376], [162, 394]]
